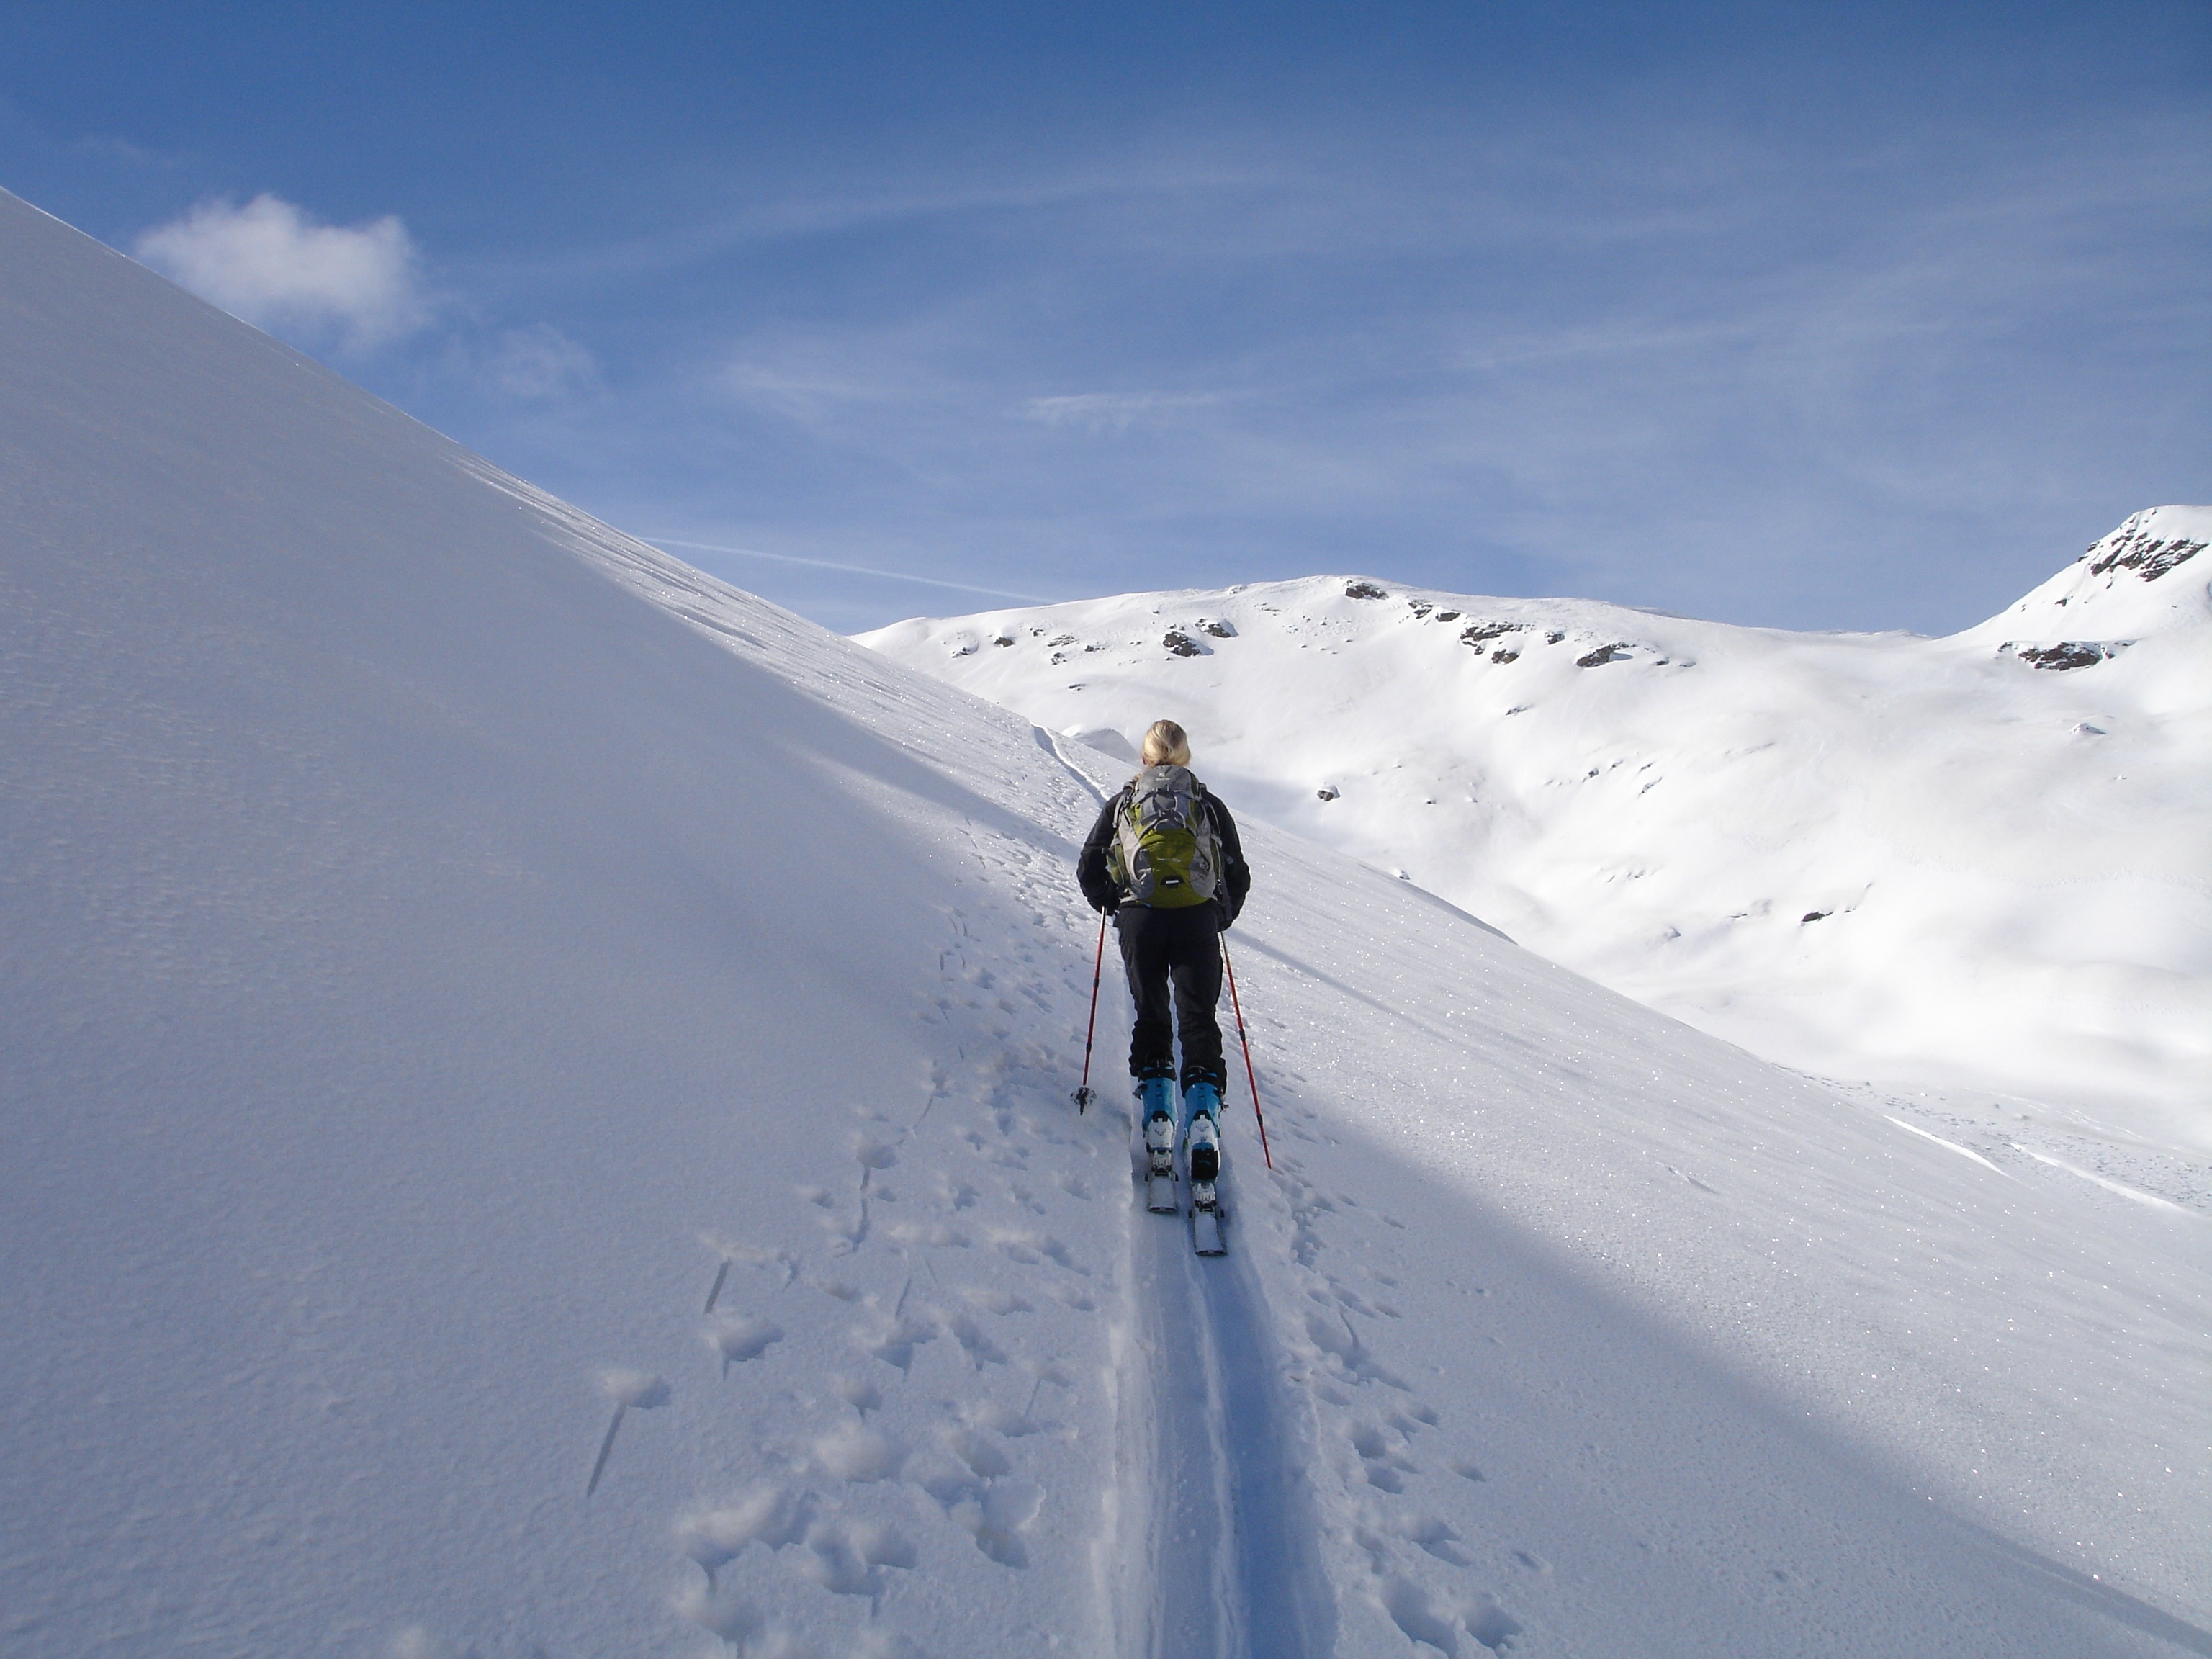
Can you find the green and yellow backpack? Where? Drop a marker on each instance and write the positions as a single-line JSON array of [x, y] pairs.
[[1164, 852]]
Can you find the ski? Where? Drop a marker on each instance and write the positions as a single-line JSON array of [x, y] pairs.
[[1206, 1216], [1203, 1150], [1159, 1165]]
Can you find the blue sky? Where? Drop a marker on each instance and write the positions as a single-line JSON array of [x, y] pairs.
[[1819, 317]]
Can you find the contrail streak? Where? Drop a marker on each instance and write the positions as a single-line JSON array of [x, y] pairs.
[[850, 569]]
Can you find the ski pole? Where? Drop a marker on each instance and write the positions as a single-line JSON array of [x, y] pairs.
[[1245, 1043], [1084, 1094]]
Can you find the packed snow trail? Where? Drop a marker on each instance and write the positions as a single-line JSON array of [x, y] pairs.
[[1222, 1560], [535, 1091], [1219, 1559]]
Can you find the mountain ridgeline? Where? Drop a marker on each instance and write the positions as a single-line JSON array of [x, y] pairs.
[[1978, 860]]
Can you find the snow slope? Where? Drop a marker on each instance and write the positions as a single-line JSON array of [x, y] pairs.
[[1983, 863], [536, 1093]]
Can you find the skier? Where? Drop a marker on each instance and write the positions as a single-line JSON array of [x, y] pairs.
[[1164, 862]]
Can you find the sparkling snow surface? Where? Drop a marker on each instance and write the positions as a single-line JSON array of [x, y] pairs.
[[1981, 863], [534, 1092]]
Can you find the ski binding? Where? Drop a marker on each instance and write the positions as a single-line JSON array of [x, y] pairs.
[[1204, 1151], [1206, 1216], [1159, 1172]]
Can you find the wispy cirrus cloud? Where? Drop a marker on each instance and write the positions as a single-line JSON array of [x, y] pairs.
[[269, 264], [1116, 411], [537, 364]]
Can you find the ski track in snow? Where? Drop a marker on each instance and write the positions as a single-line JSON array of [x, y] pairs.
[[1223, 1561]]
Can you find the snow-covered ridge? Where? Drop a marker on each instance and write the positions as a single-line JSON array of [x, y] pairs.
[[1984, 861]]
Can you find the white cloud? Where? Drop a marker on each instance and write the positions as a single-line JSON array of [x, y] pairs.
[[269, 265]]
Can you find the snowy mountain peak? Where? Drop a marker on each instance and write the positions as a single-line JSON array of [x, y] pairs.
[[2147, 577], [2152, 542]]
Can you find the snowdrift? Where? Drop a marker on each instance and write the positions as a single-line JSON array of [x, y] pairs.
[[535, 1087], [1983, 863]]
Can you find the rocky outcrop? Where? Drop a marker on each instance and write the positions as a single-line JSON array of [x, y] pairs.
[[2132, 547]]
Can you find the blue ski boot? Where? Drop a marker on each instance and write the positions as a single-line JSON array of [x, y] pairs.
[[1155, 1108], [1201, 1104], [1201, 1110]]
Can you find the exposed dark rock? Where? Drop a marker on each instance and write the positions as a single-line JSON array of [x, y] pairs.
[[2066, 653], [1813, 916], [1419, 607], [1182, 644], [1002, 639], [1364, 590], [1554, 638], [1604, 653], [1479, 635], [1505, 656], [1219, 629], [1065, 638], [1447, 616], [1325, 793], [2148, 558]]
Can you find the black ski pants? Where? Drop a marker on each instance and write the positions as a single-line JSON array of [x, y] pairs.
[[1179, 949]]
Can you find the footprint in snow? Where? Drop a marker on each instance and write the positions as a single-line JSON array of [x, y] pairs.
[[894, 1341], [1030, 1248], [629, 1390], [936, 1234], [1431, 1533], [738, 1339], [992, 1300], [852, 1452], [977, 1343], [1437, 1622], [847, 1554], [841, 1556], [1490, 1624], [770, 1515], [1385, 1465], [995, 1417]]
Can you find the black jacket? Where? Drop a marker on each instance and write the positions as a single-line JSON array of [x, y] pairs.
[[1098, 885]]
